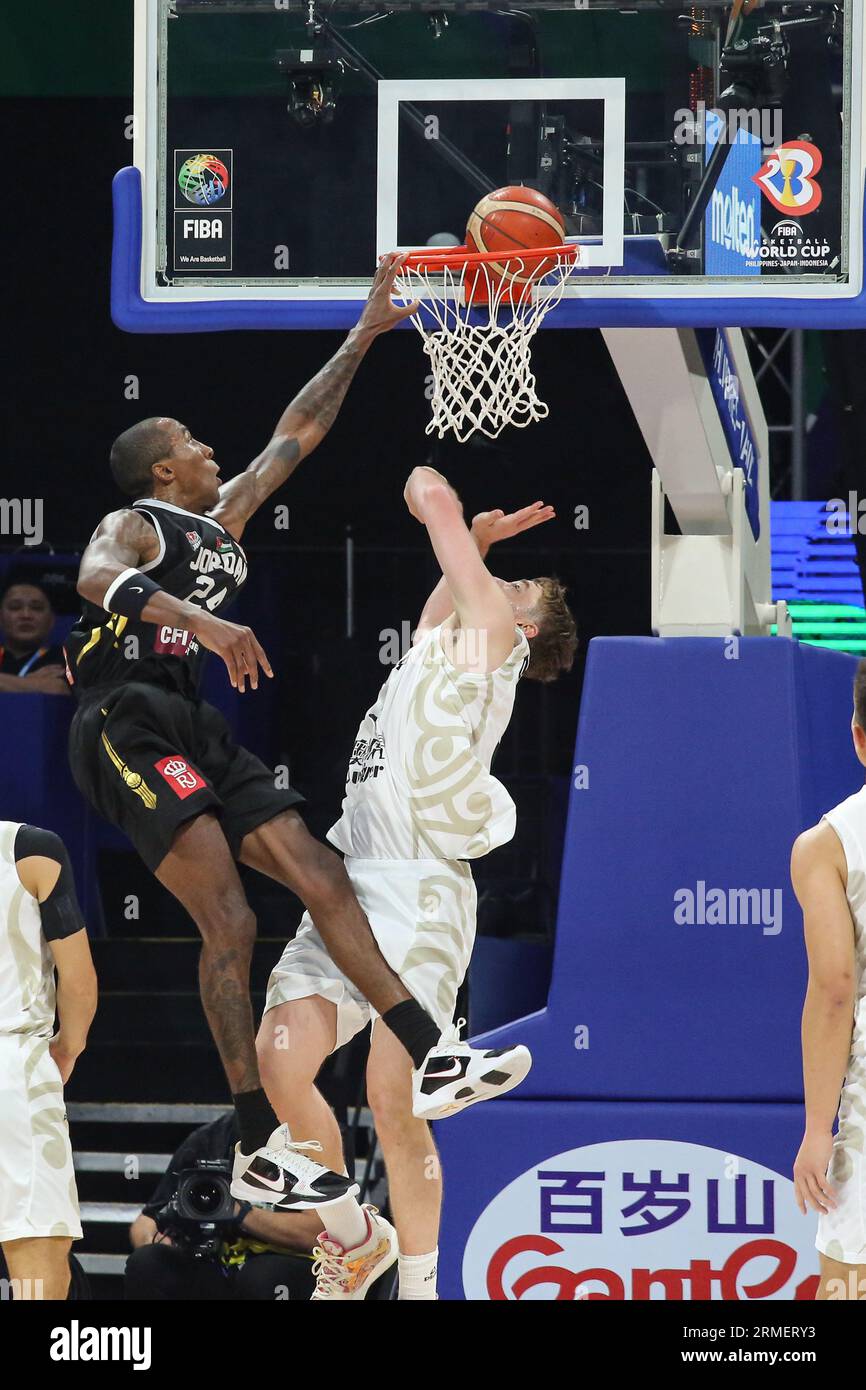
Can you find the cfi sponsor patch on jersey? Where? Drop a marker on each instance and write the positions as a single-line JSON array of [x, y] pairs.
[[194, 539]]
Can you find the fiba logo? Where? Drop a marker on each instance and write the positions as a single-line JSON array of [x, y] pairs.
[[203, 180]]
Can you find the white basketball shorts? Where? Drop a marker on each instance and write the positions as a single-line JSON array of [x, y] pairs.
[[38, 1196], [422, 914]]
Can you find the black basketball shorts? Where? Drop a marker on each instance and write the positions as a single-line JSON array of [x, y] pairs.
[[149, 759]]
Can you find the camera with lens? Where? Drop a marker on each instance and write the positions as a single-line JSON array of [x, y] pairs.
[[757, 67], [314, 75], [201, 1214]]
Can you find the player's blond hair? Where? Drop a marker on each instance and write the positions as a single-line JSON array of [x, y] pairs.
[[552, 649]]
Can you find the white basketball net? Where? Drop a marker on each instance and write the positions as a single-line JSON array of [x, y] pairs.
[[482, 369]]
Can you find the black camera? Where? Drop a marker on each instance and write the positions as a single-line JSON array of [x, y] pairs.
[[201, 1214], [314, 76], [757, 69]]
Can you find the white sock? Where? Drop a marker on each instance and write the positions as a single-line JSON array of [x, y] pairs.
[[418, 1276], [345, 1221]]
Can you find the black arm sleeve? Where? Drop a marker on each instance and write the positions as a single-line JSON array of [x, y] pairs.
[[61, 915]]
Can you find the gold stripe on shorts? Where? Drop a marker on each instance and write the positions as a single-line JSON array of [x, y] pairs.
[[133, 780]]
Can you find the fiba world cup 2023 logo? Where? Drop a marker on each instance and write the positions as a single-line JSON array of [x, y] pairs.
[[203, 180]]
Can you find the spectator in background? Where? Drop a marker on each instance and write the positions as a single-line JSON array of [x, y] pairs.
[[28, 663]]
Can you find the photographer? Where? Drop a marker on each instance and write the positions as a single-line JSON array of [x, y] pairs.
[[229, 1251]]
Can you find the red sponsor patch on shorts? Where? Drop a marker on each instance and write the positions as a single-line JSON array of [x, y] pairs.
[[181, 776]]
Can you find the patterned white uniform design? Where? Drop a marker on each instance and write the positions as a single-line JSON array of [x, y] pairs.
[[419, 783], [842, 1233], [38, 1196], [420, 801]]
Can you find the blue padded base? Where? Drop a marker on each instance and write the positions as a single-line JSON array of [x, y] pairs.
[[701, 770], [524, 1214]]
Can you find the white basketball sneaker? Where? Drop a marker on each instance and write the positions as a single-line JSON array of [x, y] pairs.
[[282, 1178], [348, 1274], [455, 1075]]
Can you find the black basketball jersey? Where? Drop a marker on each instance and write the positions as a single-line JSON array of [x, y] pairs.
[[199, 562]]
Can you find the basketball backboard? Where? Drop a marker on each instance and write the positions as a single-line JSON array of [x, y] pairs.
[[708, 159]]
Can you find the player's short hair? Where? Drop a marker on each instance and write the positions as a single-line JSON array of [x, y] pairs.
[[134, 453], [860, 695], [552, 649]]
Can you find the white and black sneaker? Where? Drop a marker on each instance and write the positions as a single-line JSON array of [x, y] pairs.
[[282, 1178], [455, 1075]]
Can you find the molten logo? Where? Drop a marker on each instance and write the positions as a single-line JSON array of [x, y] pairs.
[[788, 179], [732, 222]]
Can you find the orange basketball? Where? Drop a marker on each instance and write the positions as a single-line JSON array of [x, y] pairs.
[[512, 220]]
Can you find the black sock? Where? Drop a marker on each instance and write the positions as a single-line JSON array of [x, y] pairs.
[[256, 1119], [414, 1027]]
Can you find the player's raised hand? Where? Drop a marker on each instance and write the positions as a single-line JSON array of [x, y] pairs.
[[238, 646], [380, 312], [490, 527]]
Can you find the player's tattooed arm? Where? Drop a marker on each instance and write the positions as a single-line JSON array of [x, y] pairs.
[[487, 529], [307, 419], [123, 541]]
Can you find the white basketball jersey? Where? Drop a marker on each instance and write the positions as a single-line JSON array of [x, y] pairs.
[[26, 963], [848, 819], [419, 784]]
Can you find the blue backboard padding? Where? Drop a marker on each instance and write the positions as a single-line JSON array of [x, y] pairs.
[[134, 314], [493, 1144], [700, 768]]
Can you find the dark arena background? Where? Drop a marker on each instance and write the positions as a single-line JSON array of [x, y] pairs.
[[680, 750]]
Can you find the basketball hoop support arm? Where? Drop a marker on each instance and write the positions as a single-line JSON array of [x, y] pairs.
[[697, 405]]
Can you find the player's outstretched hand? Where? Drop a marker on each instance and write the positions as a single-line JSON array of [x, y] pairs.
[[812, 1187], [490, 527], [238, 646], [380, 312]]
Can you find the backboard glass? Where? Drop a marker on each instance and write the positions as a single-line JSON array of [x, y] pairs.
[[709, 163]]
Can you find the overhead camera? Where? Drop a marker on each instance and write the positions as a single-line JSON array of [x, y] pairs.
[[756, 68], [314, 76]]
